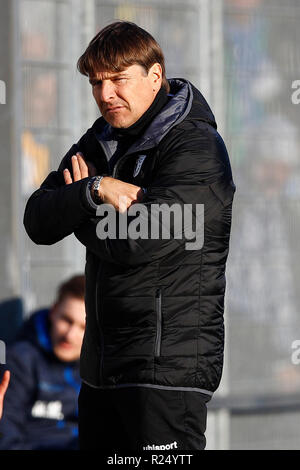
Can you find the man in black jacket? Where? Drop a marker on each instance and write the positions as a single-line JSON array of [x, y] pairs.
[[152, 354]]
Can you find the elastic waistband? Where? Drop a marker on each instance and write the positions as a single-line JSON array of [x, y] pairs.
[[159, 387]]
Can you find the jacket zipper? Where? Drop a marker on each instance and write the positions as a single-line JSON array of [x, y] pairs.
[[98, 282], [99, 326], [158, 322]]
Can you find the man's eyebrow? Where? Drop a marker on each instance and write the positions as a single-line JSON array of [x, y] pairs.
[[93, 80], [115, 75]]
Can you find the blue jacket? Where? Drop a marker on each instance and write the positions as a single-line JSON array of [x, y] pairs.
[[40, 406]]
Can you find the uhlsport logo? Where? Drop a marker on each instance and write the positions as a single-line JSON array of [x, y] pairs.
[[173, 445]]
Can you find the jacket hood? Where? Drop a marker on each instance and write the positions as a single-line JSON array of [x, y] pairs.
[[185, 102], [200, 109], [36, 329]]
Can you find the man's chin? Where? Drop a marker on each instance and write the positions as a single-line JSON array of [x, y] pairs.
[[119, 122], [66, 354], [116, 124]]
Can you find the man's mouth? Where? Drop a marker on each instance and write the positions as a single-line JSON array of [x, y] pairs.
[[113, 109], [65, 345]]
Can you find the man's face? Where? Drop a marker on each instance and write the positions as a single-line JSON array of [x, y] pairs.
[[123, 97], [67, 328]]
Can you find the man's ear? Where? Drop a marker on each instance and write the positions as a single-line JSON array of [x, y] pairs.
[[156, 75]]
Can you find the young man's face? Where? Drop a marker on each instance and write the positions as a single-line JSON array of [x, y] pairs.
[[123, 97], [67, 328]]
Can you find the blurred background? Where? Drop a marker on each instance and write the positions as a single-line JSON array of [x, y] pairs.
[[243, 56]]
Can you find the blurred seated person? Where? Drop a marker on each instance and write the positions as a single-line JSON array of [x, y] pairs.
[[40, 409]]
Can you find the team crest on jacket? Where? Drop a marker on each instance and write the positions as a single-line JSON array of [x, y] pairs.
[[138, 165]]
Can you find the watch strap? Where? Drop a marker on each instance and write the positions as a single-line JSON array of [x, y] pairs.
[[94, 186]]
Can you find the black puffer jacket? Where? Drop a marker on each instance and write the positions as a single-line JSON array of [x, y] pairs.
[[154, 308]]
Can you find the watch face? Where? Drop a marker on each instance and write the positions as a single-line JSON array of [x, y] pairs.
[[96, 186], [91, 182]]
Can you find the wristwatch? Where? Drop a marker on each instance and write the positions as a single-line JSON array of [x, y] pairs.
[[94, 185]]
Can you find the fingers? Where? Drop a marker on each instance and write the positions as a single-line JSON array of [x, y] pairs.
[[80, 168], [76, 168], [3, 387], [67, 176], [84, 171], [4, 383], [118, 193], [123, 204]]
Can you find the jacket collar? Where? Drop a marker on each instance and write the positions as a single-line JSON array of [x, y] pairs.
[[184, 101]]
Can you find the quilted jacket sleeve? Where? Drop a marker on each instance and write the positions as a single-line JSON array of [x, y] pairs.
[[55, 210]]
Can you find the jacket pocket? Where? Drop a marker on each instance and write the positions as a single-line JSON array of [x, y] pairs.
[[158, 296]]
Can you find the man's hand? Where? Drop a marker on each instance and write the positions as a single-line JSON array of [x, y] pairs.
[[3, 387], [81, 169], [121, 195], [112, 191]]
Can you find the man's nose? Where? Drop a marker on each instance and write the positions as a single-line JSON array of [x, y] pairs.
[[71, 334], [107, 92]]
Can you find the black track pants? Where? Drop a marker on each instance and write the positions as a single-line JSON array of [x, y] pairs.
[[141, 418]]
